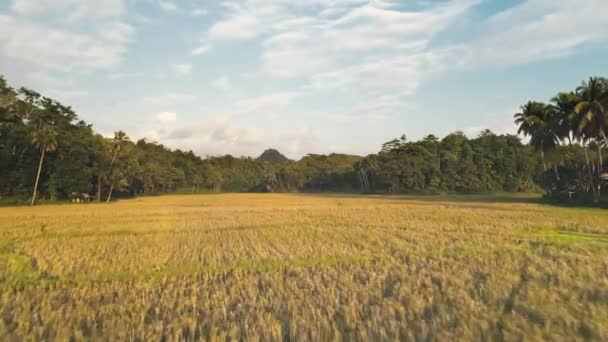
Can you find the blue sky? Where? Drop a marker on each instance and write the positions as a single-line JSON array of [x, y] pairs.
[[302, 76]]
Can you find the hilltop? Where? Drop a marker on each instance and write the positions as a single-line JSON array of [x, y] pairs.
[[272, 156]]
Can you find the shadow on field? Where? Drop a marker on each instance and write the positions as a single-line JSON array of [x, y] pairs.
[[470, 198], [463, 198]]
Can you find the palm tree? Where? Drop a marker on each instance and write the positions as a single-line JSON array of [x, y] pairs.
[[563, 107], [362, 173], [592, 121], [529, 117], [44, 138], [117, 181], [592, 111], [538, 121], [119, 142], [118, 146]]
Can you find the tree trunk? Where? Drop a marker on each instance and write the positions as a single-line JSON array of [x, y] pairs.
[[600, 162], [99, 189], [110, 194], [111, 187], [600, 167], [372, 181], [556, 172], [585, 149], [590, 168], [113, 161], [363, 180], [599, 146], [38, 174], [542, 156]]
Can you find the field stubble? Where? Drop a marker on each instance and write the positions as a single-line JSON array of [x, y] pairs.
[[295, 267]]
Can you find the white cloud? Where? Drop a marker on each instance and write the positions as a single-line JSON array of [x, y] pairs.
[[71, 9], [300, 143], [168, 99], [201, 50], [366, 37], [401, 75], [538, 30], [123, 75], [159, 127], [271, 104], [115, 32], [141, 19], [222, 83], [238, 27], [366, 48], [63, 94], [51, 34], [167, 5], [167, 118], [61, 49], [221, 135], [44, 78], [218, 136], [379, 107], [199, 12], [182, 69]]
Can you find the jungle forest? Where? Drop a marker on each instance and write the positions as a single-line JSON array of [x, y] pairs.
[[48, 154]]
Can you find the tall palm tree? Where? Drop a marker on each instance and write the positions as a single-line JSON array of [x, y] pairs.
[[563, 106], [360, 167], [538, 121], [44, 138], [592, 114], [117, 181], [119, 143], [530, 117], [592, 120], [118, 146]]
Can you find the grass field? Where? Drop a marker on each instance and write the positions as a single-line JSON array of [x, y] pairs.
[[304, 267]]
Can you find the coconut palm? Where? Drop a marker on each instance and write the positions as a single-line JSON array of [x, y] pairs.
[[44, 137], [592, 114], [360, 168], [538, 121], [119, 143], [529, 117], [563, 106], [591, 124], [116, 177], [118, 181]]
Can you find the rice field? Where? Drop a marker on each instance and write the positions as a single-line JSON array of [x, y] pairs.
[[304, 267]]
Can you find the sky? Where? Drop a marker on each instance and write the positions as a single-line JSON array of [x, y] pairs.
[[302, 76]]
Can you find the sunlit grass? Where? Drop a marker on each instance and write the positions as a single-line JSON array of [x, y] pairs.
[[304, 267]]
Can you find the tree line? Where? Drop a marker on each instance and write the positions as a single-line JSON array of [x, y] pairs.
[[47, 152]]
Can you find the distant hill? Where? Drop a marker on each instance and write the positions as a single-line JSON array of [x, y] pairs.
[[272, 156]]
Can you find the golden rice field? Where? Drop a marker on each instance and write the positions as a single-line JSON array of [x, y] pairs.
[[302, 267]]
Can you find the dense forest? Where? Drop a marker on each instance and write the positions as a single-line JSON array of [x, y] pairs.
[[47, 152]]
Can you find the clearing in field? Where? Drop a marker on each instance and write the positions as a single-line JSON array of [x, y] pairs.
[[287, 267]]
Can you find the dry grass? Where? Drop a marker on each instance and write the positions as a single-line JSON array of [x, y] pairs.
[[287, 267]]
